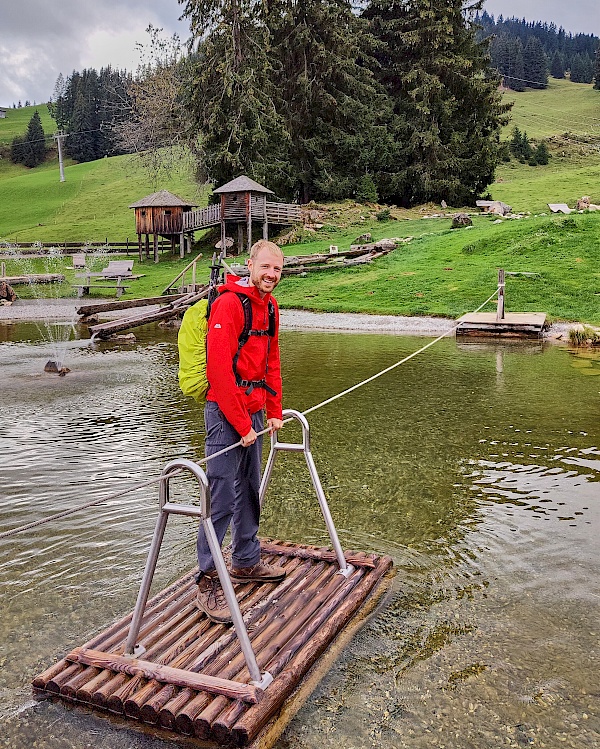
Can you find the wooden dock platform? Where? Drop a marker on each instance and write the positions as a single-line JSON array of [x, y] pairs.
[[193, 680], [521, 324]]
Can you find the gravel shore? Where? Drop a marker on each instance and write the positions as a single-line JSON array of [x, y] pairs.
[[66, 309]]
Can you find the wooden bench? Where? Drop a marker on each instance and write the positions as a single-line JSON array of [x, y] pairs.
[[79, 261]]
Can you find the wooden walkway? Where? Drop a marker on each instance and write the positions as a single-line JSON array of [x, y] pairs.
[[275, 213], [193, 680], [517, 324]]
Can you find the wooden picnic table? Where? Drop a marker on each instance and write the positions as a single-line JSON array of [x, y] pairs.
[[107, 283]]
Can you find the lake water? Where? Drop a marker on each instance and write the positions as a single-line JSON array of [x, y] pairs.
[[475, 466]]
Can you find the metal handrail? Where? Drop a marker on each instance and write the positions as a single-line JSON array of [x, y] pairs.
[[304, 447], [202, 512]]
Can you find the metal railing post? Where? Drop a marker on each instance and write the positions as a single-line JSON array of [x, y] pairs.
[[304, 447], [167, 508]]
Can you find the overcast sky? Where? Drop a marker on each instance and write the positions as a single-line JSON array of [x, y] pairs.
[[41, 38]]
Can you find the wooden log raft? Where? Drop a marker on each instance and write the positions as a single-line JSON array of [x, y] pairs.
[[193, 679]]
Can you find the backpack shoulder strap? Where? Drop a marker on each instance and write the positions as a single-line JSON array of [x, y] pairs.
[[272, 319], [247, 308]]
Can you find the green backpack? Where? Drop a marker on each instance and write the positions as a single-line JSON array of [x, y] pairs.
[[191, 342]]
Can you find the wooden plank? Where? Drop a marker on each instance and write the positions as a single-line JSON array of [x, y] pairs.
[[310, 552], [103, 330], [167, 674], [93, 309], [524, 324], [251, 723]]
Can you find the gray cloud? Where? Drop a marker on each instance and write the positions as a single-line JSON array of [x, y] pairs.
[[40, 39]]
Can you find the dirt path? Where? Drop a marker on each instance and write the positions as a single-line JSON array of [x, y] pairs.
[[65, 309]]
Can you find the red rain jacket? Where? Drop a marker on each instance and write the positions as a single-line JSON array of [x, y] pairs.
[[258, 360]]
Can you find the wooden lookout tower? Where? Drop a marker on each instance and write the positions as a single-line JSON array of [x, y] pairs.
[[242, 204], [243, 201], [161, 215]]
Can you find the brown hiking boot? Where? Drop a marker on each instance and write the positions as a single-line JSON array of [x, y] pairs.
[[258, 573], [211, 599]]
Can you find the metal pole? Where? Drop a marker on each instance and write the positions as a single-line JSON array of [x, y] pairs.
[[203, 512], [159, 531], [59, 137]]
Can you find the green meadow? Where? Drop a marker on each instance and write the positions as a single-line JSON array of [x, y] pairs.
[[440, 271], [561, 109], [16, 121], [90, 205]]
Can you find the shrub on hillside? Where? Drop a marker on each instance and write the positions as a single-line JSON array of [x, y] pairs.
[[366, 191]]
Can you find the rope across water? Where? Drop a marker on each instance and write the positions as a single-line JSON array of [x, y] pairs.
[[203, 461]]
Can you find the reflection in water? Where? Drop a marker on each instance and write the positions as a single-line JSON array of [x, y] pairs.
[[475, 466]]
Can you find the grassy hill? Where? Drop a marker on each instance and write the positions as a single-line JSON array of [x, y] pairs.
[[562, 108], [16, 121], [91, 204], [441, 271]]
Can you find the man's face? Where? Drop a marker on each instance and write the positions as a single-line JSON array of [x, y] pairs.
[[265, 271]]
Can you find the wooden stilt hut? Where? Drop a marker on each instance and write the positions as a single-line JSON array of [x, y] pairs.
[[243, 201], [161, 215]]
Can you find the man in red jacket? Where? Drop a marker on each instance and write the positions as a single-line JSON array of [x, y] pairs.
[[244, 380]]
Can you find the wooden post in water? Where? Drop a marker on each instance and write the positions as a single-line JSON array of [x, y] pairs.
[[501, 286]]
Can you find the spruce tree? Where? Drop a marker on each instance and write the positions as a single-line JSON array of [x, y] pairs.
[[17, 151], [30, 150], [333, 110], [557, 69], [541, 154], [577, 69], [588, 69], [515, 142], [525, 151], [535, 65], [83, 143], [597, 71], [448, 111], [513, 72], [230, 96]]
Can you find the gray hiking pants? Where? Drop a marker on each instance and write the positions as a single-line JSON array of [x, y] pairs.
[[234, 480]]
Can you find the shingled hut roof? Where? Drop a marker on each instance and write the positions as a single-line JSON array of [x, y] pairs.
[[242, 184], [161, 199]]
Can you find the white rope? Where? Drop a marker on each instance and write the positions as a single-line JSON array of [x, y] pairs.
[[205, 460]]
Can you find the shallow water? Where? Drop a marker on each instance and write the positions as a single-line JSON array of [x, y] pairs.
[[476, 467]]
